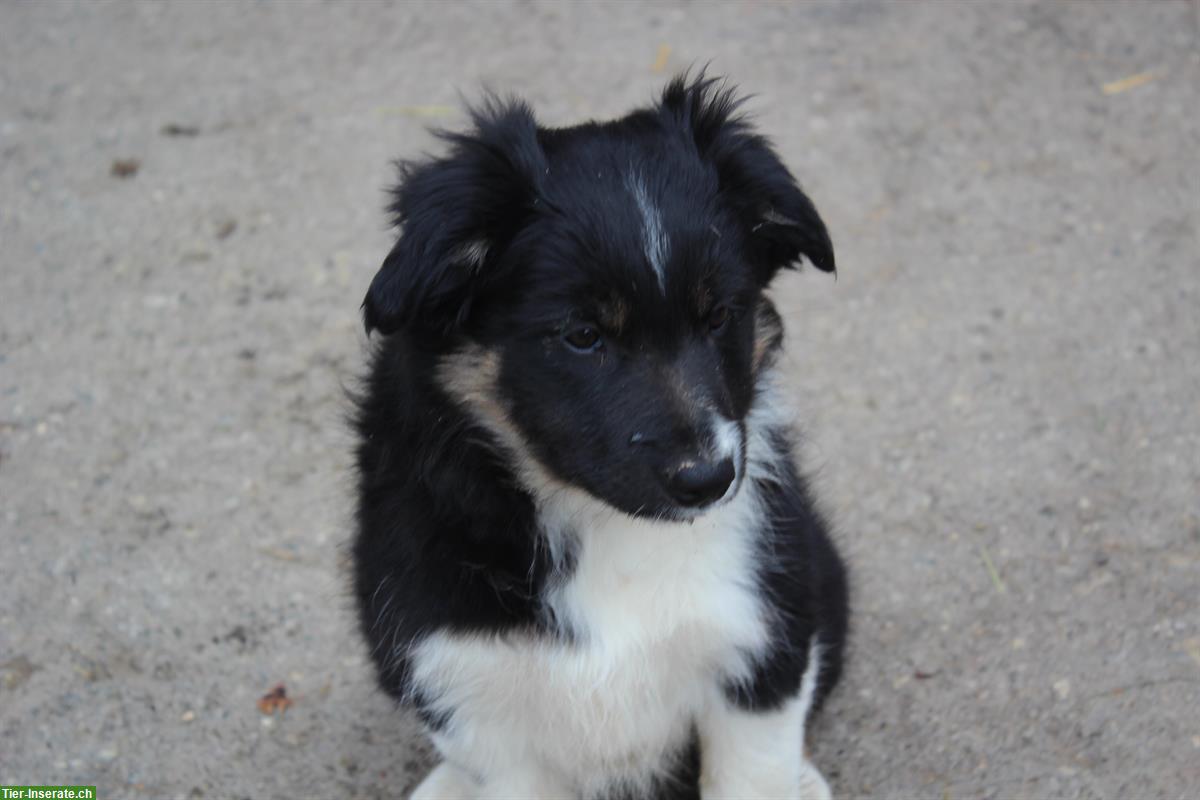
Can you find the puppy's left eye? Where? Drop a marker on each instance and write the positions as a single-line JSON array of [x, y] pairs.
[[718, 317]]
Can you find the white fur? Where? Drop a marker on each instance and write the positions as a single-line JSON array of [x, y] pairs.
[[728, 444], [658, 613], [445, 782], [761, 755], [656, 616], [654, 237]]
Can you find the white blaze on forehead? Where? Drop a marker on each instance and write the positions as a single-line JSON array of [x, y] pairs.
[[654, 238]]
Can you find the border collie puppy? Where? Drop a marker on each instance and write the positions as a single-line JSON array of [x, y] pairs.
[[584, 554]]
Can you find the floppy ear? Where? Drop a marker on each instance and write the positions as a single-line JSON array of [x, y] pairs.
[[778, 220], [456, 215]]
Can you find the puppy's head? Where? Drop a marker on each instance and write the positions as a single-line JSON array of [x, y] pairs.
[[596, 292]]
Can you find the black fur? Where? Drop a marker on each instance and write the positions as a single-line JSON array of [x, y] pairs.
[[444, 536], [806, 581], [518, 239]]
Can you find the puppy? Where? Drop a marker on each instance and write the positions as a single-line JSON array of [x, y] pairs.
[[584, 554]]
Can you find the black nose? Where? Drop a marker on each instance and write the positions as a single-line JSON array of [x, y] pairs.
[[700, 484]]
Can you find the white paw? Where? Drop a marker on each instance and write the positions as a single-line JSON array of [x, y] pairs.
[[446, 782], [804, 783], [532, 785], [812, 784]]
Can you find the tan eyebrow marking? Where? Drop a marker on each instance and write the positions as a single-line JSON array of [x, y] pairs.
[[614, 313]]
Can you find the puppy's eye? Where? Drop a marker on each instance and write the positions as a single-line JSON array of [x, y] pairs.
[[584, 339], [718, 317]]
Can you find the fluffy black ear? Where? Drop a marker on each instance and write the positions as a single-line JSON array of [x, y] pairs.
[[779, 220], [456, 215]]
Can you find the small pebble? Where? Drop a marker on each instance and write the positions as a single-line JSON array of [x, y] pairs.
[[125, 167]]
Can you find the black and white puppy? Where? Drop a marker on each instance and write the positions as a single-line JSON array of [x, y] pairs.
[[584, 553]]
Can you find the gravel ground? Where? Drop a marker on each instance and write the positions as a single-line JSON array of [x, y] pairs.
[[1001, 391]]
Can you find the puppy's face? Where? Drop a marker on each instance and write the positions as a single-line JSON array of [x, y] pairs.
[[626, 340], [612, 278]]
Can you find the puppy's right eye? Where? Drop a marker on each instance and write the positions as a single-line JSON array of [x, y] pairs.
[[717, 318], [584, 339]]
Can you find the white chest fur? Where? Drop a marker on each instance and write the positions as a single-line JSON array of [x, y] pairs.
[[660, 615]]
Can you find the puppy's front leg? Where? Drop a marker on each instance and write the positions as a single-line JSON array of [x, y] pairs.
[[757, 754], [525, 785], [448, 782]]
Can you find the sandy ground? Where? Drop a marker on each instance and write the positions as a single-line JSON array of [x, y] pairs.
[[1001, 391]]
